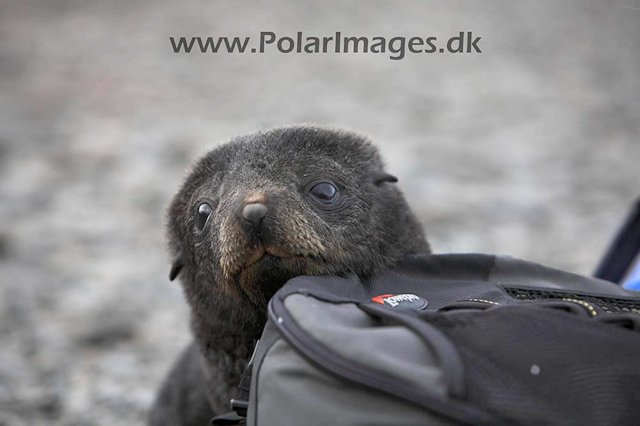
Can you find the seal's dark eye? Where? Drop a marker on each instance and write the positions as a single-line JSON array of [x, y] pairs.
[[203, 213], [325, 192]]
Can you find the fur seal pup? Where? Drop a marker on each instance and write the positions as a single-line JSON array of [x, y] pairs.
[[255, 212]]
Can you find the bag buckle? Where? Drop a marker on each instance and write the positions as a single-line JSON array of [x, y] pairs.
[[240, 407]]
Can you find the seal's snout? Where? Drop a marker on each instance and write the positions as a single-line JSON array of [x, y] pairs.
[[254, 213]]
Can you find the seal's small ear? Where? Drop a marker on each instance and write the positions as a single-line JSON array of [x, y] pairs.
[[379, 177], [178, 263]]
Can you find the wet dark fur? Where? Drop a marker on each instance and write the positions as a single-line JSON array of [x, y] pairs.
[[228, 272]]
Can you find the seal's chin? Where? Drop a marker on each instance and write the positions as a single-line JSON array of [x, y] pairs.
[[269, 269]]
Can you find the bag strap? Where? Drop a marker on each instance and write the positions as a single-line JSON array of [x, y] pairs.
[[623, 250], [444, 350], [240, 405]]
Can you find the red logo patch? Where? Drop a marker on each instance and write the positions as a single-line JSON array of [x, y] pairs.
[[401, 301], [379, 299]]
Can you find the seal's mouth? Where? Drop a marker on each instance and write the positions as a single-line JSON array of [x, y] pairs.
[[265, 252]]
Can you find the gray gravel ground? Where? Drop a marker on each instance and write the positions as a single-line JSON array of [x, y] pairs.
[[531, 148]]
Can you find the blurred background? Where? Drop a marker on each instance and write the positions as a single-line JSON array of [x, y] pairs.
[[530, 149]]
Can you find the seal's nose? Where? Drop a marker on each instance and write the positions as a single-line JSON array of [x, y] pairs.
[[254, 213]]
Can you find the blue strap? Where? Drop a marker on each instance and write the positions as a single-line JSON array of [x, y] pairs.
[[623, 251]]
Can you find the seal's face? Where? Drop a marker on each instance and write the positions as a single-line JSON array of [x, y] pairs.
[[293, 201]]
